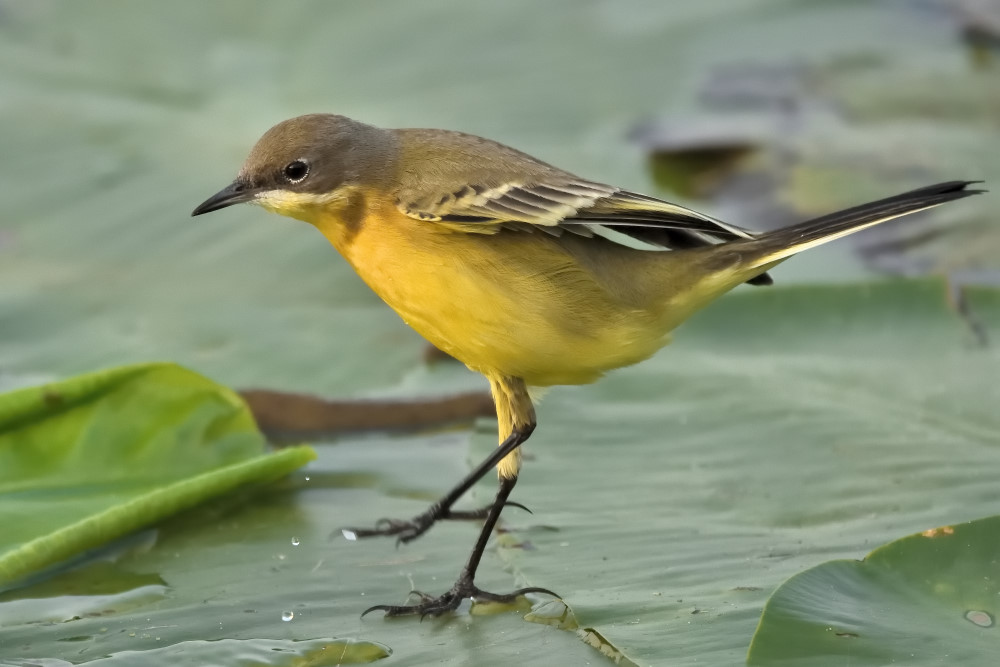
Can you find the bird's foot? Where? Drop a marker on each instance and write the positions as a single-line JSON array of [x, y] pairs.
[[407, 531], [449, 601]]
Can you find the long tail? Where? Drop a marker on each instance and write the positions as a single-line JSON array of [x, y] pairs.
[[772, 247]]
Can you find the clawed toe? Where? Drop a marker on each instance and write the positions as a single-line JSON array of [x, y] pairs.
[[510, 598], [409, 530], [429, 607], [404, 530], [450, 601], [481, 513], [464, 588], [385, 524]]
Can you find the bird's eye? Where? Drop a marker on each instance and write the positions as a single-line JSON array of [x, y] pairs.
[[296, 171]]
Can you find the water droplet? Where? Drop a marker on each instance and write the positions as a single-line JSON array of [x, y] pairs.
[[295, 542], [349, 535], [287, 616], [281, 556], [981, 618], [307, 478]]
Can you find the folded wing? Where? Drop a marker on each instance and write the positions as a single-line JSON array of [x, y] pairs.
[[561, 204]]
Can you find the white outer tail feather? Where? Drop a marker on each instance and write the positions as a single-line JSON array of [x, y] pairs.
[[784, 253]]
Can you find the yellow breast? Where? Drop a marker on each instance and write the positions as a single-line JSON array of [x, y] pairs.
[[516, 304]]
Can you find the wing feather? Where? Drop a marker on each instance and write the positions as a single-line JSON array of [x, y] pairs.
[[557, 205], [474, 185]]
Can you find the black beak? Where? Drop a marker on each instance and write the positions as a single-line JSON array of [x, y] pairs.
[[235, 193]]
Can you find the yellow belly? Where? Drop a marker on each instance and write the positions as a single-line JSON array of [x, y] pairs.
[[513, 303]]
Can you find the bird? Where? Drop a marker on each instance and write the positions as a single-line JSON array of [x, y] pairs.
[[527, 273]]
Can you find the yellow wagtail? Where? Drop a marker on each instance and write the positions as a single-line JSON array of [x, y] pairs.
[[514, 267]]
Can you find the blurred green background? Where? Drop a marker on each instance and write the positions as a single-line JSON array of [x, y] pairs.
[[119, 117]]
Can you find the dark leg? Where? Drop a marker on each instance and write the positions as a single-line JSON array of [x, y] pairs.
[[465, 586], [418, 525], [960, 304], [516, 421]]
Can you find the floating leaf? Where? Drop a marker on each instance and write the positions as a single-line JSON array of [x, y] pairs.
[[927, 599], [89, 459]]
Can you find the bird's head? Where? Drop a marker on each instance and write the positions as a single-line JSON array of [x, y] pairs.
[[307, 164]]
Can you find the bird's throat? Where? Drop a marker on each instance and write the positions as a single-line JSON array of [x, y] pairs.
[[339, 215]]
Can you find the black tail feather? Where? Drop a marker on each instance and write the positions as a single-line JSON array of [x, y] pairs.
[[779, 244]]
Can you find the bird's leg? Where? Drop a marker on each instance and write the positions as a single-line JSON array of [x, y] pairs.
[[516, 420], [516, 416], [465, 586], [418, 525]]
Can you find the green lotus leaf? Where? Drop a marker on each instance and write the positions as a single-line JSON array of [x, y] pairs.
[[927, 599], [90, 459]]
